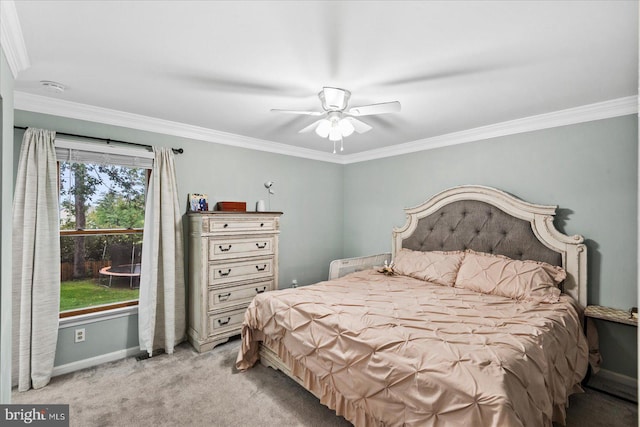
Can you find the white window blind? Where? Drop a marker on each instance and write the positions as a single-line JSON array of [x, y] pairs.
[[83, 152]]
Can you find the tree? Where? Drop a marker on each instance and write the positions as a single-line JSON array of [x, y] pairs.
[[78, 193], [119, 203]]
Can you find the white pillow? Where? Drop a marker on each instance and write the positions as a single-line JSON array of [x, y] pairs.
[[500, 275], [434, 266]]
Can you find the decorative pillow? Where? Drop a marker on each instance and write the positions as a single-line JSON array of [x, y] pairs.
[[520, 280], [437, 267]]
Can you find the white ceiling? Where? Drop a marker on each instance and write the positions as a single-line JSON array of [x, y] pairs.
[[223, 65]]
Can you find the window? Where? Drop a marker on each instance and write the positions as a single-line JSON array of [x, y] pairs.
[[102, 198]]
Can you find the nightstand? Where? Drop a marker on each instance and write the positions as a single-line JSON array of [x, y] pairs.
[[599, 382], [610, 314]]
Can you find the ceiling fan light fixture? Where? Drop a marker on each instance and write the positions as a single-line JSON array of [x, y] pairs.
[[323, 128], [346, 128]]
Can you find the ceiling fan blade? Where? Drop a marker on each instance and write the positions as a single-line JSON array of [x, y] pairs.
[[382, 108], [311, 127], [306, 113], [358, 125]]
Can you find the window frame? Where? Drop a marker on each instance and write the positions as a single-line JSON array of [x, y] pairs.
[[101, 150]]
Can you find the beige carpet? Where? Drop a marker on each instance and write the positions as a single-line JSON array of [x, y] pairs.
[[191, 389]]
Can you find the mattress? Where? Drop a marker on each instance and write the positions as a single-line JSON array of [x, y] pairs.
[[395, 350]]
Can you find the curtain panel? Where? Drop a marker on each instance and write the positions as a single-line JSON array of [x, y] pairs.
[[161, 309], [36, 261]]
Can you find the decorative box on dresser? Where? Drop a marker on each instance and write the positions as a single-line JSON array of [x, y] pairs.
[[233, 256]]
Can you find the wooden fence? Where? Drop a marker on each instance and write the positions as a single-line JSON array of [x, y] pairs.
[[92, 269]]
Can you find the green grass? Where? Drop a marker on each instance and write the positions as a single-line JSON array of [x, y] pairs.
[[76, 294]]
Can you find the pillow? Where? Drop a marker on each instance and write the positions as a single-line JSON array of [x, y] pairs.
[[437, 267], [520, 280]]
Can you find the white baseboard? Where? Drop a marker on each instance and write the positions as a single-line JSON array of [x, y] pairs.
[[615, 383], [94, 361]]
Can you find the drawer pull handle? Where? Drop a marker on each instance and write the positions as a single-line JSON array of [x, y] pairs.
[[262, 224], [264, 245], [225, 226], [259, 291], [224, 297], [224, 274], [224, 322], [264, 267], [223, 249]]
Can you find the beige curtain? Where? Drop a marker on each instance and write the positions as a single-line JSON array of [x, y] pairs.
[[36, 261], [161, 310]]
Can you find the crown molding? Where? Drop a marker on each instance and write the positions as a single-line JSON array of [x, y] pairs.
[[73, 110], [11, 38], [586, 113]]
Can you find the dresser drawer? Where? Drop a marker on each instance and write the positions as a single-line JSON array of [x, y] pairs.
[[236, 225], [224, 321], [236, 294], [240, 270], [235, 248]]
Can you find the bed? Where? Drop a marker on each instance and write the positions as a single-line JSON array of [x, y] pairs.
[[474, 331]]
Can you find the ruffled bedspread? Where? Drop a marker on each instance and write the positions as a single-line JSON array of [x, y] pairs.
[[400, 351]]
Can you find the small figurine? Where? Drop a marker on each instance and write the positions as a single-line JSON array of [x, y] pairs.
[[387, 269]]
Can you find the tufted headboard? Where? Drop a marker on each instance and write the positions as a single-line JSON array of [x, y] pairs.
[[471, 224], [488, 220]]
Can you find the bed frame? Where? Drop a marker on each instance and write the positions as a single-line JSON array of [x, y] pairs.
[[483, 219]]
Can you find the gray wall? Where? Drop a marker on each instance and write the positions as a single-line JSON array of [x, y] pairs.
[[590, 170], [6, 202], [308, 192], [122, 333]]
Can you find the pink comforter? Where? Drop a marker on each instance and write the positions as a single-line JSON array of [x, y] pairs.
[[400, 351]]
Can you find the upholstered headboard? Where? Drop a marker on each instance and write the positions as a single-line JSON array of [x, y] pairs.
[[488, 220], [471, 224]]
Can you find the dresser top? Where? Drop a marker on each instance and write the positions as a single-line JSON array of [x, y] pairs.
[[233, 213]]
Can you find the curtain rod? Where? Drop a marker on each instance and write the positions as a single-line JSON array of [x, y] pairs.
[[107, 140]]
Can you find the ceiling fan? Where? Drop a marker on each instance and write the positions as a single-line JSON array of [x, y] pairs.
[[338, 122]]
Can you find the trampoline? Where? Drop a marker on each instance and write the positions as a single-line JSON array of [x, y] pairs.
[[125, 270], [125, 262]]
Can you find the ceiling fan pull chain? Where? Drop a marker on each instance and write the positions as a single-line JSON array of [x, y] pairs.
[[334, 147], [341, 144]]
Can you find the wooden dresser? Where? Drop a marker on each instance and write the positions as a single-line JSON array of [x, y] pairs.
[[233, 256]]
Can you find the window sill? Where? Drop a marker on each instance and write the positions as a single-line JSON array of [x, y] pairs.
[[82, 319]]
